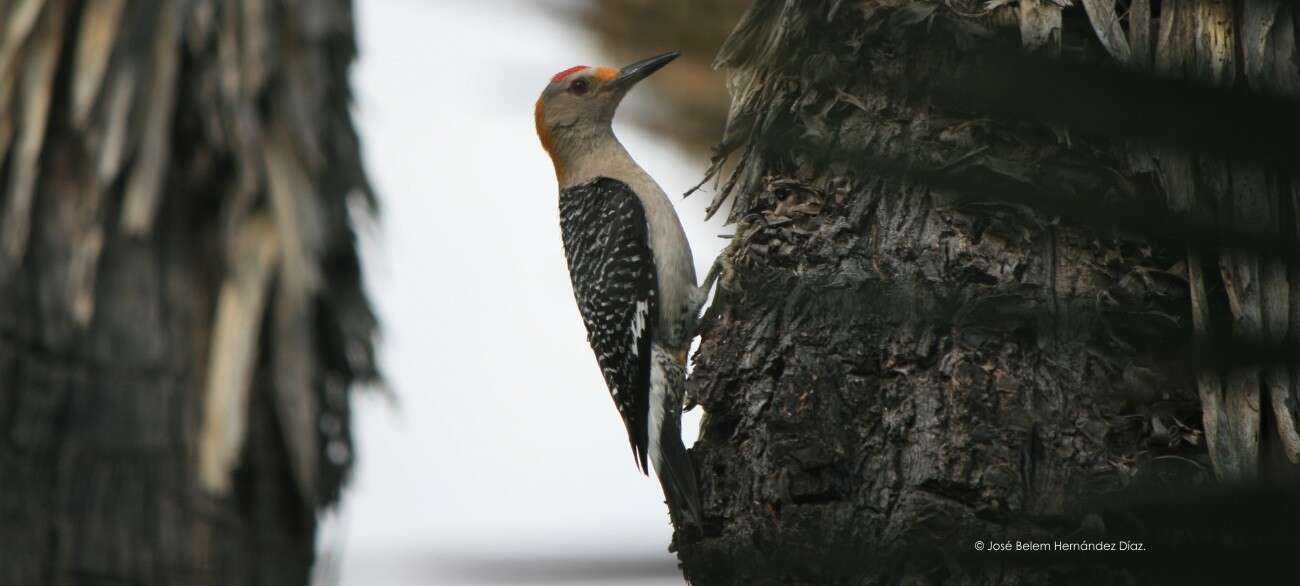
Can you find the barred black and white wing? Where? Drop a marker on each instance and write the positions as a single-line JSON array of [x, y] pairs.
[[613, 272]]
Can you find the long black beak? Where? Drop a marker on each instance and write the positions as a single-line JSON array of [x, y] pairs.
[[628, 76]]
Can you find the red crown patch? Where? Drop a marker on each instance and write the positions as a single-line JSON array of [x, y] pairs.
[[567, 73]]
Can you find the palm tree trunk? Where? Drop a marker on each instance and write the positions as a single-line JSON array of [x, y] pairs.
[[180, 307], [895, 372]]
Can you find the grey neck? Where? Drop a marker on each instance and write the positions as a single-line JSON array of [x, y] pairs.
[[596, 154]]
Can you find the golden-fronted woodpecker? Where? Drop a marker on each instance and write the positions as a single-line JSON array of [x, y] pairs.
[[630, 265]]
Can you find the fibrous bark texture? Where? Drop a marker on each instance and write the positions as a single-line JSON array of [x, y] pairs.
[[1252, 424], [181, 314], [910, 356]]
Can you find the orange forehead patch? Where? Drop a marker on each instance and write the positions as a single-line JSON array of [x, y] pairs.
[[606, 73], [567, 73]]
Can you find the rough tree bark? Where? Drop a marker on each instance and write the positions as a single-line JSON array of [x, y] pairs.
[[894, 371], [181, 314]]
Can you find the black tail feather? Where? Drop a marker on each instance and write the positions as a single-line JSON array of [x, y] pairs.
[[677, 473]]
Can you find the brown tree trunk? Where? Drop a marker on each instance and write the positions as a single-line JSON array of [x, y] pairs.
[[180, 307], [895, 372]]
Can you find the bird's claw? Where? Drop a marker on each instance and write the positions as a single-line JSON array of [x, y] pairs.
[[721, 267]]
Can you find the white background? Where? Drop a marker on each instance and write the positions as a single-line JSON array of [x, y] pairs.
[[502, 460]]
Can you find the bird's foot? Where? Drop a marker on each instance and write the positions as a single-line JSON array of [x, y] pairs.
[[721, 267], [694, 318]]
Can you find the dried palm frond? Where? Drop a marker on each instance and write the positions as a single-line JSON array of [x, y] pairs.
[[224, 126], [1222, 43]]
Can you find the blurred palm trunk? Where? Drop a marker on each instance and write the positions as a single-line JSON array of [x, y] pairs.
[[691, 98], [894, 372], [181, 313]]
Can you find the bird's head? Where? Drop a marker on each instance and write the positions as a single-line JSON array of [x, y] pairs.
[[578, 104]]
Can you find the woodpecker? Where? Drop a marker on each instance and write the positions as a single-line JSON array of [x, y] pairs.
[[631, 267]]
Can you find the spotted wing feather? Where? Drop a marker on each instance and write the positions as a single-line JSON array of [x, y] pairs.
[[606, 243]]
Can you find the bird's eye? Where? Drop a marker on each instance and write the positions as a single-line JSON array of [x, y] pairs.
[[579, 87]]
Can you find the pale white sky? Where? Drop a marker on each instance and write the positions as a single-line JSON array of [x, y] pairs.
[[504, 460]]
